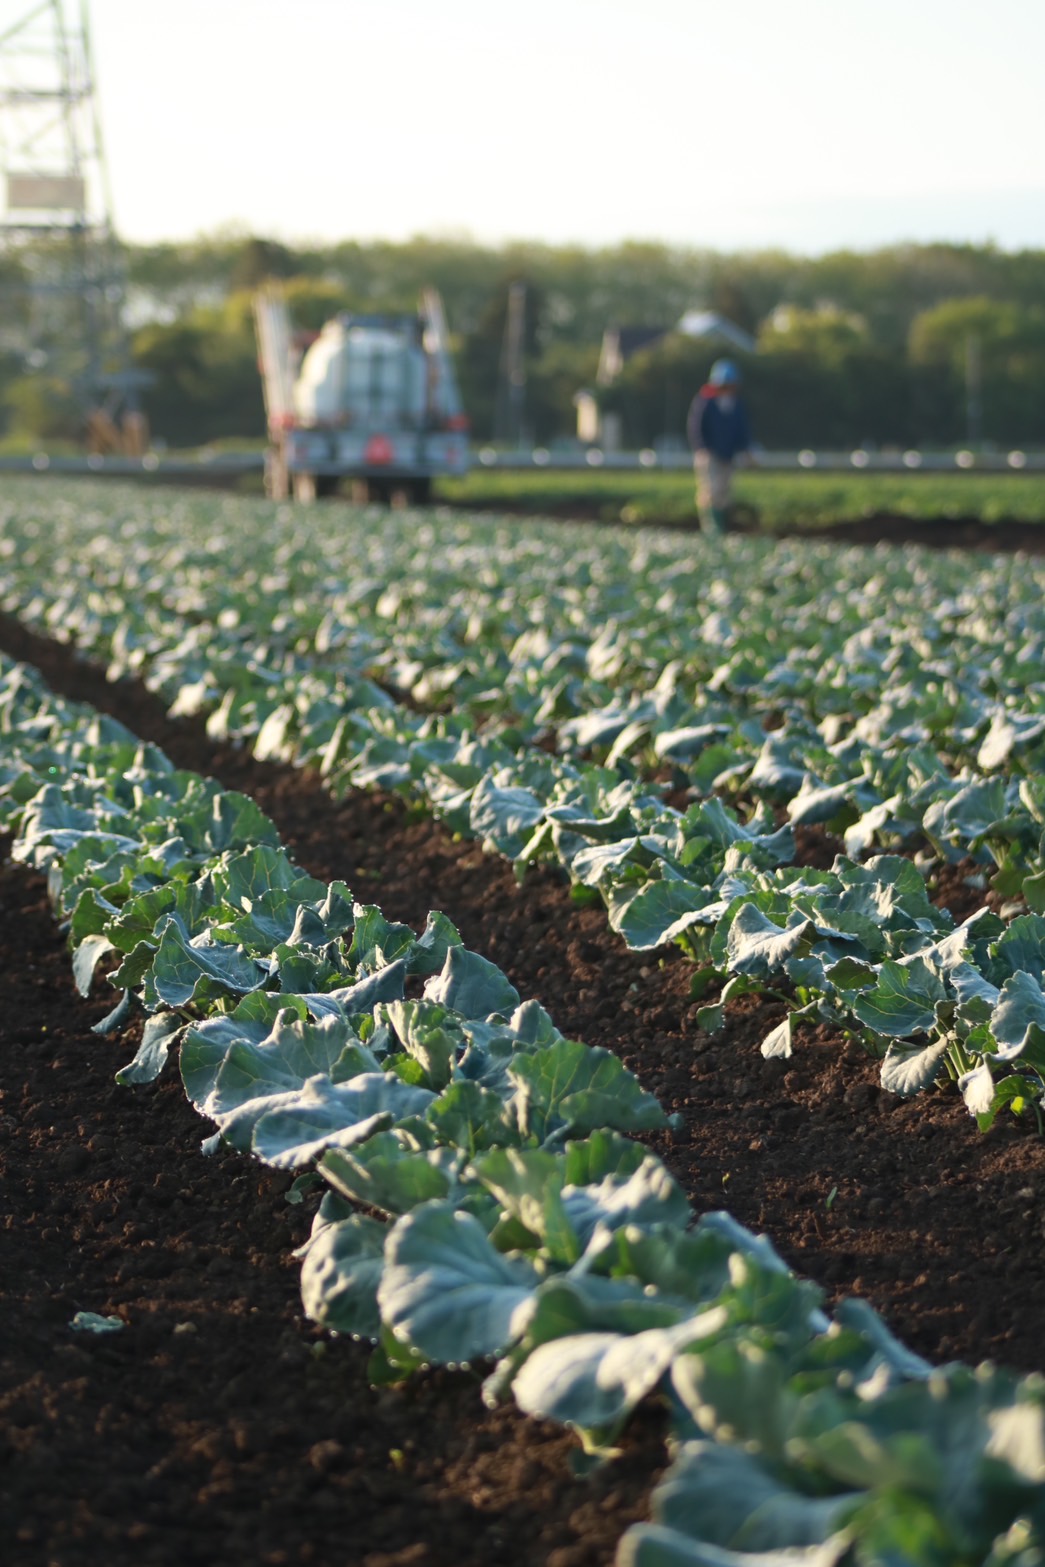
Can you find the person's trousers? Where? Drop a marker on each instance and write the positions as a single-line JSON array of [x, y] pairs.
[[714, 490]]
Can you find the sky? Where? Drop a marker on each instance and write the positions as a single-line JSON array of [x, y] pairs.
[[808, 125]]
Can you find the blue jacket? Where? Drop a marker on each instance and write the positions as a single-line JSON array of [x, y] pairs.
[[710, 428]]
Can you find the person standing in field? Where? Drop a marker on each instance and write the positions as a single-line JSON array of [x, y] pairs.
[[718, 431]]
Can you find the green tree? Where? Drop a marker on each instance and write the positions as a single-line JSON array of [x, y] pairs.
[[260, 260], [41, 410], [206, 385], [987, 352]]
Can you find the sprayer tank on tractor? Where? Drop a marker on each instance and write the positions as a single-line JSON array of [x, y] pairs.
[[372, 400]]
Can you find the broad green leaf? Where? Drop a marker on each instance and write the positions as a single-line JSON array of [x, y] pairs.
[[472, 986], [777, 1043], [528, 1185], [242, 880], [227, 1062], [470, 1117], [904, 1000], [230, 821], [86, 959], [504, 817], [724, 1496], [1018, 1020], [377, 941], [907, 1072], [756, 945], [428, 953], [120, 1015], [863, 1319], [385, 984], [431, 1034], [447, 1291], [653, 1545], [663, 910], [602, 1153], [647, 1196], [188, 969], [297, 1128], [592, 1381], [340, 1274], [158, 1035], [1021, 947], [977, 1089], [387, 1175], [579, 1088]]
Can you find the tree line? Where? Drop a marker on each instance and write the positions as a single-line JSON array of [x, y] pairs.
[[912, 345]]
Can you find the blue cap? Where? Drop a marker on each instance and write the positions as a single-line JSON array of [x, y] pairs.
[[723, 373]]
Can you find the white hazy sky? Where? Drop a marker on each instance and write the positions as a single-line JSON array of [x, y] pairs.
[[734, 124]]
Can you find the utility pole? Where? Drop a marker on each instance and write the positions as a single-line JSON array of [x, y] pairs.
[[63, 281], [513, 369], [973, 391]]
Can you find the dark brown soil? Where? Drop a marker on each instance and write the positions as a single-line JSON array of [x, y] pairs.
[[220, 1426]]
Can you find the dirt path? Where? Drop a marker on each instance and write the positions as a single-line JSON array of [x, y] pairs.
[[220, 1425]]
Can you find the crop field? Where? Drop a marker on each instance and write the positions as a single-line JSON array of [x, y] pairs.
[[605, 971]]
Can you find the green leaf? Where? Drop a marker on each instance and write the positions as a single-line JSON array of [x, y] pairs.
[[600, 1154], [385, 984], [294, 1128], [528, 1185], [724, 1496], [470, 1117], [158, 1035], [242, 880], [663, 910], [428, 953], [387, 1175], [646, 1196], [907, 1072], [777, 1043], [120, 1015], [230, 1061], [592, 1381], [904, 1000], [652, 1545], [229, 821], [472, 986], [757, 946], [579, 1088], [1021, 947], [187, 970], [86, 959], [431, 1034], [447, 1291], [340, 1275], [504, 817], [977, 1089], [1018, 1020]]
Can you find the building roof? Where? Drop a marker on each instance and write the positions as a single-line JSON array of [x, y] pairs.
[[620, 342], [708, 323]]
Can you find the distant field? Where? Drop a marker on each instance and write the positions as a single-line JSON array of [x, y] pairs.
[[780, 499]]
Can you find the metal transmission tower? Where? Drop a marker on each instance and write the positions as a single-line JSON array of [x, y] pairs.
[[61, 272]]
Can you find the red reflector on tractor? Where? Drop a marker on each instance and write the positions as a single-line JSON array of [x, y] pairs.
[[378, 449]]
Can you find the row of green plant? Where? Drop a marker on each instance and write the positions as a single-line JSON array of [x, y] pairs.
[[752, 674], [518, 1223], [772, 501]]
